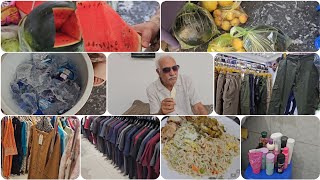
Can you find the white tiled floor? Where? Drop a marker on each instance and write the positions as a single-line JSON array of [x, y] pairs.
[[24, 176], [95, 166]]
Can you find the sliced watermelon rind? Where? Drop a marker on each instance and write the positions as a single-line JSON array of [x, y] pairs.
[[68, 40]]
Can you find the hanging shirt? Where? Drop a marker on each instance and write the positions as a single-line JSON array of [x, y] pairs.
[[24, 138], [186, 96], [156, 159], [17, 159], [9, 148], [144, 142], [63, 136], [69, 131], [148, 153]]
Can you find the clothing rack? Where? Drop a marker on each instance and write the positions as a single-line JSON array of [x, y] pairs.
[[128, 141], [55, 167]]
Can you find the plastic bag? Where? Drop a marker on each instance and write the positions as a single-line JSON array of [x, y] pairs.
[[193, 26], [262, 38], [9, 38], [226, 43], [226, 16], [24, 46]]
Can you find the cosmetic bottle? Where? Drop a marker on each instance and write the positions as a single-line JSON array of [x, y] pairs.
[[280, 163], [270, 164], [270, 145], [290, 144], [286, 154]]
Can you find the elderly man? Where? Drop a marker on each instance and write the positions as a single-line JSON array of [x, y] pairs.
[[173, 93]]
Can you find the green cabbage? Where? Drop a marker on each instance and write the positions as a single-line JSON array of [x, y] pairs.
[[193, 26]]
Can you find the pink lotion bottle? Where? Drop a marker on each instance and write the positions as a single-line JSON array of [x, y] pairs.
[[286, 154]]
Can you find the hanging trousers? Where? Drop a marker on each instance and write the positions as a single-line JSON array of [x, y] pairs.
[[219, 94], [231, 94], [297, 73], [261, 96], [252, 89]]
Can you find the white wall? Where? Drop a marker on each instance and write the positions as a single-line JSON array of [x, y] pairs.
[[129, 77]]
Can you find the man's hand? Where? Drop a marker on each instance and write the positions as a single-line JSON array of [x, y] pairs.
[[167, 106], [148, 31], [199, 109]]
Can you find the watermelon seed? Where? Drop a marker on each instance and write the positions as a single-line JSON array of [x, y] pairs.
[[104, 45], [116, 42], [129, 30], [100, 45]]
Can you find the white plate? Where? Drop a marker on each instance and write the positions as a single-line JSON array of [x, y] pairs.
[[233, 171]]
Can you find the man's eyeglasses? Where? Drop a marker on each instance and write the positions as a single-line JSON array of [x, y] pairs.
[[168, 69]]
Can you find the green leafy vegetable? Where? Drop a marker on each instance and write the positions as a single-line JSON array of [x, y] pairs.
[[262, 38], [193, 26]]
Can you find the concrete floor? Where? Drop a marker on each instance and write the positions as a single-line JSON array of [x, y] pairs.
[[95, 166], [97, 102]]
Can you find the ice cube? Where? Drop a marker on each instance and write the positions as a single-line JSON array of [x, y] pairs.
[[23, 71], [45, 80], [56, 108], [30, 102], [39, 56], [48, 95]]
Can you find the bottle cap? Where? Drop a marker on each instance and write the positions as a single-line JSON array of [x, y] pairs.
[[285, 150], [290, 141], [264, 134], [270, 157], [270, 141], [275, 136], [264, 150]]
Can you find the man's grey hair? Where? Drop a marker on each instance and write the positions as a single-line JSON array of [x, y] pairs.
[[158, 61]]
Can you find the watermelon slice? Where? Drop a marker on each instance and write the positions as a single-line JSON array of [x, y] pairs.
[[61, 15], [52, 26], [103, 29], [67, 28]]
